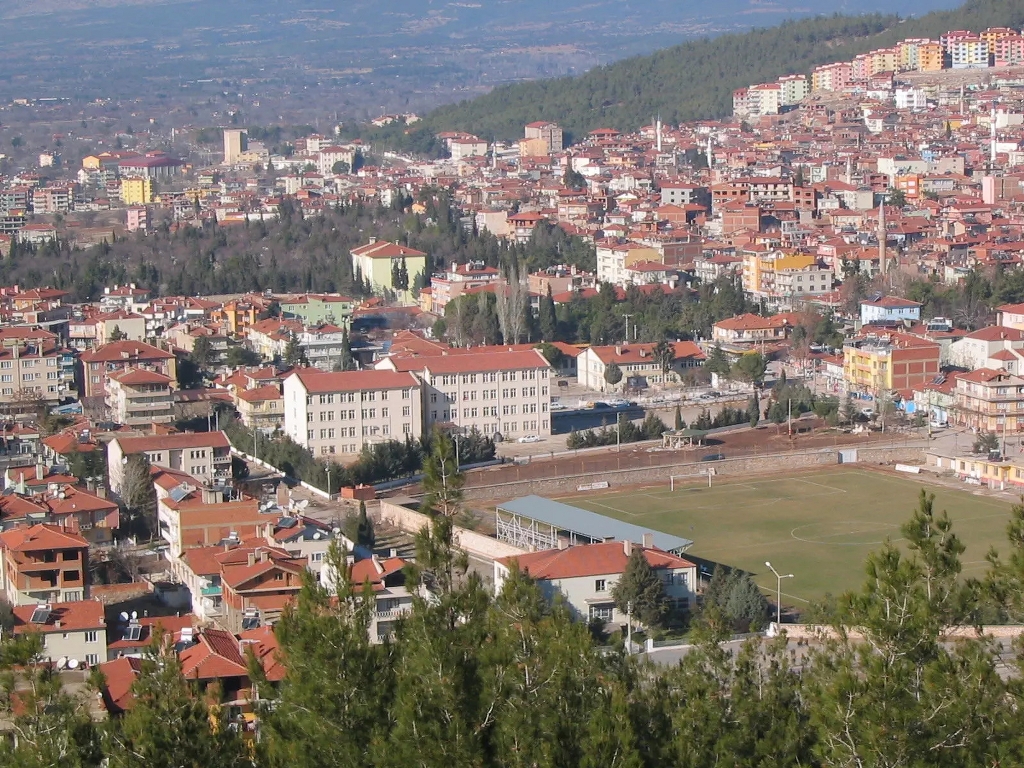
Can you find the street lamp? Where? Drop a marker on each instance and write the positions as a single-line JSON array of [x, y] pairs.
[[778, 599]]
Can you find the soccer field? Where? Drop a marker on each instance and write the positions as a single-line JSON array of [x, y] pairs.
[[818, 525]]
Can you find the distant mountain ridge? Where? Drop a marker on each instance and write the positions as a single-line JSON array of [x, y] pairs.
[[695, 80]]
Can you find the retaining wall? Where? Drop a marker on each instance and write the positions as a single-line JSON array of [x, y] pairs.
[[476, 544], [750, 465]]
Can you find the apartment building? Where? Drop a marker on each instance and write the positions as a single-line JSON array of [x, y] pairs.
[[550, 133], [89, 514], [69, 630], [614, 259], [392, 598], [777, 274], [97, 363], [205, 456], [459, 279], [794, 89], [137, 397], [338, 413], [495, 390], [877, 364], [968, 53], [261, 407], [33, 367], [989, 399], [43, 564]]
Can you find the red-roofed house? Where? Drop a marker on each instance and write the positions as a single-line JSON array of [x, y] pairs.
[[584, 576], [750, 329], [74, 630], [43, 564], [257, 583], [638, 364]]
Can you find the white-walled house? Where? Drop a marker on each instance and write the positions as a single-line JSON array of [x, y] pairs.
[[585, 574]]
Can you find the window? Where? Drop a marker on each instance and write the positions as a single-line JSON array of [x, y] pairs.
[[599, 585], [384, 413], [92, 659], [5, 364], [90, 637], [601, 612], [6, 378], [406, 410], [406, 394], [406, 429], [309, 434]]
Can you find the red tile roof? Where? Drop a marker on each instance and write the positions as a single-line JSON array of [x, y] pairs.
[[40, 537], [316, 381], [72, 617], [124, 351], [131, 445], [607, 558], [214, 656]]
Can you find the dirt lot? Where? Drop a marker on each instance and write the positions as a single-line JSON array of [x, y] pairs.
[[762, 441]]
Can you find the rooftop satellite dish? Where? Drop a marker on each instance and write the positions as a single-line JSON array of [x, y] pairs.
[[62, 662], [316, 535], [135, 615], [62, 495], [123, 616], [302, 504], [73, 663]]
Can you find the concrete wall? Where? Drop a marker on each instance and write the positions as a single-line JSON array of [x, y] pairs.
[[752, 465], [476, 544]]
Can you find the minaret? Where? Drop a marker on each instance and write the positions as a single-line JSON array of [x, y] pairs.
[[711, 154], [849, 170], [657, 128], [992, 140], [882, 261]]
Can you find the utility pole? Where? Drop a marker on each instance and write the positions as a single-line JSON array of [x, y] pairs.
[[790, 419]]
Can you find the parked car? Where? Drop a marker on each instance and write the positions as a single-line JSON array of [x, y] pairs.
[[713, 457], [529, 439]]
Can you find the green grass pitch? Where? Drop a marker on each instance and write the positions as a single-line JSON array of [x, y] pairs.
[[818, 525]]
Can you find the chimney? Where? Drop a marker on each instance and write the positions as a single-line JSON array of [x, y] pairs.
[[627, 547], [648, 540], [101, 491], [392, 552], [251, 558], [373, 240], [264, 555], [618, 349], [40, 470], [212, 496]]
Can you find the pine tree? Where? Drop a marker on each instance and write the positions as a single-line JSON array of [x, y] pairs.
[[169, 723], [754, 410], [547, 317], [679, 423], [638, 592]]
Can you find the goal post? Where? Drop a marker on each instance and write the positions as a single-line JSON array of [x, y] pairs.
[[680, 481]]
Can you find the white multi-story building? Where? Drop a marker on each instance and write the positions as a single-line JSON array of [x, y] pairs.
[[794, 88], [497, 390], [339, 413]]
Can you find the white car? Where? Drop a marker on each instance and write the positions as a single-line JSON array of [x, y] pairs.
[[529, 439]]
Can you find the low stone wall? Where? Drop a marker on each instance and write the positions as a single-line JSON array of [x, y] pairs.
[[817, 632], [476, 544], [751, 465]]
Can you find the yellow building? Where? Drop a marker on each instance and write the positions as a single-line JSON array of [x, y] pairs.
[[759, 269], [136, 190], [930, 57], [377, 261], [883, 60], [533, 148]]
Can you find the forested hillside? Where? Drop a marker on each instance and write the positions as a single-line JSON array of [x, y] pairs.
[[694, 80], [293, 253]]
